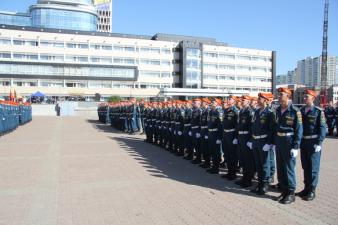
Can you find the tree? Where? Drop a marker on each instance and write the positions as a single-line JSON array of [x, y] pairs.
[[114, 99]]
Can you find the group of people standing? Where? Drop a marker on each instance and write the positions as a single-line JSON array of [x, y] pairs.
[[246, 134]]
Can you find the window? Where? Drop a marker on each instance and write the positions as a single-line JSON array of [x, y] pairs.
[[95, 46], [210, 66], [165, 63], [83, 46], [107, 47], [210, 55], [25, 42], [5, 41], [5, 55], [149, 74], [149, 62], [71, 45], [128, 61], [47, 57], [165, 74], [193, 52], [150, 50], [25, 56], [226, 67], [243, 57], [166, 51], [244, 68], [226, 56]]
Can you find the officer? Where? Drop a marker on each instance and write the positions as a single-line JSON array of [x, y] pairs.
[[273, 147], [172, 127], [230, 138], [289, 130], [253, 103], [330, 117], [215, 120], [187, 132], [310, 148], [244, 135], [262, 130], [196, 130], [206, 154], [336, 115], [179, 125]]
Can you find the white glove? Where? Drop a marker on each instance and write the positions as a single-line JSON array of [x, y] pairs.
[[266, 147], [318, 148], [206, 137], [294, 153], [235, 141], [179, 133], [249, 144], [190, 134], [198, 135], [218, 141], [170, 129], [175, 132], [273, 147]]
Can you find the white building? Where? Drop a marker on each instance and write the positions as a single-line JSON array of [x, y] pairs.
[[104, 15], [65, 63], [309, 71]]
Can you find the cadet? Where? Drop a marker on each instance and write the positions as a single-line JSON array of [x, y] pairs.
[[196, 130], [262, 130], [187, 133], [230, 138], [336, 114], [330, 118], [206, 154], [244, 135], [215, 134], [311, 145], [179, 125], [289, 130], [172, 127]]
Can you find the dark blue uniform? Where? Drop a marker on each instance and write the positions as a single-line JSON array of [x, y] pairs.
[[179, 126], [187, 134], [206, 154], [229, 134], [244, 136], [313, 135], [215, 129], [289, 130], [262, 130], [330, 118], [196, 133]]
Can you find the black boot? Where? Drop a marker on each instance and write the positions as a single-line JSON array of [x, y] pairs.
[[280, 197], [311, 195], [303, 193], [263, 189], [288, 198]]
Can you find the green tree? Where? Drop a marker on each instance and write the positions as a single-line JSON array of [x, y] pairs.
[[114, 99]]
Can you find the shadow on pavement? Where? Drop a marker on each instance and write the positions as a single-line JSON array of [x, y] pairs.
[[163, 164]]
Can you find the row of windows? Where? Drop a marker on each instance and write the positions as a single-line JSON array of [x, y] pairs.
[[238, 78], [154, 74], [76, 58], [240, 68], [234, 56], [95, 46], [232, 88], [66, 70]]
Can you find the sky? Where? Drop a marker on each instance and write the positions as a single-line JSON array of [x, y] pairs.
[[292, 28]]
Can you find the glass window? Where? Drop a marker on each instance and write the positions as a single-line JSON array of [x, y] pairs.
[[107, 47], [226, 67], [5, 55], [226, 56], [150, 50], [243, 57], [95, 46], [83, 59], [165, 63], [83, 46], [71, 45], [5, 41], [210, 55], [166, 51], [194, 52], [165, 74], [149, 62]]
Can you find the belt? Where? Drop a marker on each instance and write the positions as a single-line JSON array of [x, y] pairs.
[[229, 130], [203, 127], [260, 136], [285, 134], [177, 123], [310, 136], [215, 129], [243, 132], [187, 125], [194, 127], [172, 122], [153, 119]]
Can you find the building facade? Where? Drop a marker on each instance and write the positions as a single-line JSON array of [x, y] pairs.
[[104, 15], [66, 63], [57, 14], [309, 71]]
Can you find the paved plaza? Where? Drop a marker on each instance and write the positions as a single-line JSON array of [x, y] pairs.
[[76, 171]]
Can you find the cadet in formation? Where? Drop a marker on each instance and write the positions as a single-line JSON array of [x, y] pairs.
[[239, 132]]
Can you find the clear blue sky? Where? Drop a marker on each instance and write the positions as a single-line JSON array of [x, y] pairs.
[[291, 27]]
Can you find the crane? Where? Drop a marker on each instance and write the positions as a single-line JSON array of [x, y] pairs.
[[324, 84]]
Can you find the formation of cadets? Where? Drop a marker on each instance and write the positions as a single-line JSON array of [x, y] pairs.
[[13, 114], [243, 134]]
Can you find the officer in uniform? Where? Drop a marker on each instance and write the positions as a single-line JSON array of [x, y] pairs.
[[196, 130], [172, 127], [215, 120], [330, 117], [244, 135], [187, 133], [311, 145], [336, 115], [230, 138], [289, 131], [206, 154], [262, 130], [179, 125]]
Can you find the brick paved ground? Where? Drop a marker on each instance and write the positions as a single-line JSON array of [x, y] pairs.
[[74, 171]]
